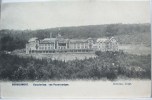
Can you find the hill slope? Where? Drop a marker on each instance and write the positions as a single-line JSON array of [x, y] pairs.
[[125, 33]]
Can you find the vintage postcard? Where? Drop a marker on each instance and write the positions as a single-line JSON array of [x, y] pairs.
[[75, 49]]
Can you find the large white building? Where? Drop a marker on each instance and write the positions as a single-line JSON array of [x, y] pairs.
[[59, 44], [106, 44]]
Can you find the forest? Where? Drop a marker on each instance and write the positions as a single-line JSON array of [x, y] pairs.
[[108, 65], [124, 33]]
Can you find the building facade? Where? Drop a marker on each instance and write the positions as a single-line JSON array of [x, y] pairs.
[[59, 44], [106, 44]]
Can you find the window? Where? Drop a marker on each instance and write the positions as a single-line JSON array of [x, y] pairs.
[[74, 46], [78, 45], [82, 46], [62, 44], [86, 46]]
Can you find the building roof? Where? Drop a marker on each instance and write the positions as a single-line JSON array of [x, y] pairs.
[[48, 40], [102, 39], [78, 40], [32, 39]]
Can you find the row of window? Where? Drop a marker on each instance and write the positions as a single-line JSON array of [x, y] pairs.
[[62, 47], [46, 48], [74, 46], [34, 51], [46, 44], [78, 46]]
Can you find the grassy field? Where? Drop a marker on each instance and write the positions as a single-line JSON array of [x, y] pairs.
[[138, 49], [61, 56]]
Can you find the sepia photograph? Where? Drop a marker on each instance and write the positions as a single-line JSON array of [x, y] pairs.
[[75, 49]]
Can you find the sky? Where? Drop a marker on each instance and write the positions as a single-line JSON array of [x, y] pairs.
[[64, 13]]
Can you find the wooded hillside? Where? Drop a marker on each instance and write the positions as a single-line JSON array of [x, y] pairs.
[[125, 33]]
